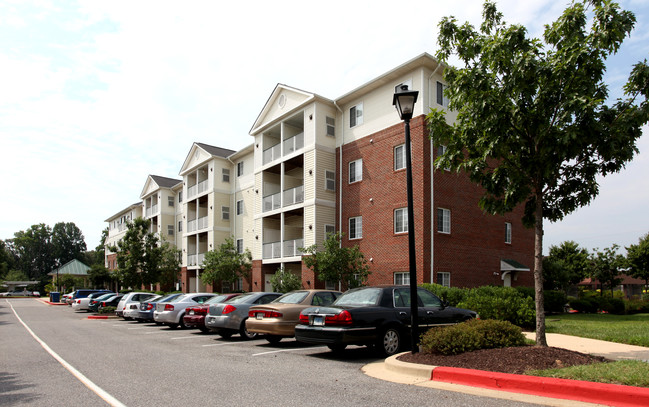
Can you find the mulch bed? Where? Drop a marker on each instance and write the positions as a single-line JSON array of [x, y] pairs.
[[516, 360]]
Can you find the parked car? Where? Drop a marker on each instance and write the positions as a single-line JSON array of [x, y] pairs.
[[374, 316], [147, 307], [278, 319], [106, 300], [127, 299], [67, 298], [195, 315], [132, 309], [171, 312], [230, 317], [84, 293], [21, 293], [81, 304]]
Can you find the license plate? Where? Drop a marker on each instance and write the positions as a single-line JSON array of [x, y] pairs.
[[318, 320], [191, 312], [259, 315]]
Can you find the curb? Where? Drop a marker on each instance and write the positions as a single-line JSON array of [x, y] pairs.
[[102, 317], [590, 392]]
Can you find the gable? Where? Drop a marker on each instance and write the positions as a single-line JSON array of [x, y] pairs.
[[284, 100], [196, 156]]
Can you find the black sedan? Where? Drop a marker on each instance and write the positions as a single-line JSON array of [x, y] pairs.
[[374, 316]]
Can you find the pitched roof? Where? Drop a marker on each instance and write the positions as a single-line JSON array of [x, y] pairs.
[[74, 267], [164, 182], [217, 151]]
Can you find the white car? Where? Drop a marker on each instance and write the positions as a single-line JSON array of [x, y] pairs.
[[133, 297], [81, 304], [171, 313], [132, 309]]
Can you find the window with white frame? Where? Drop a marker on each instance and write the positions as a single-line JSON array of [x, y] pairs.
[[443, 220], [180, 196], [508, 232], [356, 170], [441, 150], [401, 220], [402, 278], [356, 115], [329, 230], [180, 226], [239, 168], [331, 126], [441, 97], [239, 246], [355, 227], [170, 230], [444, 279], [330, 180], [400, 157], [331, 285], [170, 201], [225, 174], [240, 207], [225, 212]]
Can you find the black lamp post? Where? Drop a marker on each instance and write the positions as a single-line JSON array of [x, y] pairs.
[[404, 100]]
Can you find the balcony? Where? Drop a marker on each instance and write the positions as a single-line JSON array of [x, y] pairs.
[[195, 259], [197, 224], [291, 145], [272, 202], [294, 195], [197, 189], [274, 250], [151, 211], [273, 153]]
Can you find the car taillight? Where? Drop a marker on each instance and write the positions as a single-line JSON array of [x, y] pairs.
[[228, 309], [304, 319], [103, 304], [149, 307], [169, 307], [200, 311], [93, 302], [267, 314], [343, 318], [78, 301]]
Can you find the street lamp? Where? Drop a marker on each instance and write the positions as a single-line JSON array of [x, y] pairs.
[[404, 100]]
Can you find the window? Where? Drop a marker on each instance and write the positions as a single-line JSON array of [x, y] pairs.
[[225, 212], [331, 285], [356, 227], [444, 279], [402, 278], [356, 171], [441, 97], [331, 126], [441, 150], [400, 157], [170, 230], [180, 226], [180, 196], [239, 246], [225, 174], [356, 115], [170, 201], [329, 230], [240, 207], [330, 180], [401, 220], [239, 168], [443, 220], [508, 232]]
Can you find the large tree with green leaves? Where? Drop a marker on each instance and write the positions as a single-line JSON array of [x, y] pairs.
[[284, 281], [533, 124], [637, 256], [567, 263], [346, 265], [68, 243], [33, 251], [169, 266], [606, 267], [226, 264]]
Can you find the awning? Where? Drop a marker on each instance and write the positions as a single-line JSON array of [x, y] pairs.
[[512, 265]]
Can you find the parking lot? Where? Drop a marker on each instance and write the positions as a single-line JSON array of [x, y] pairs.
[[143, 364]]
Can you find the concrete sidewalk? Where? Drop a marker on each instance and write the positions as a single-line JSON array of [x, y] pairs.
[[531, 389]]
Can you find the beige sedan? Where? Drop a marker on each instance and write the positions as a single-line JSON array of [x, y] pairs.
[[278, 318]]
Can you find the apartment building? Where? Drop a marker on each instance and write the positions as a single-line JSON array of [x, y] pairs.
[[117, 229], [320, 165]]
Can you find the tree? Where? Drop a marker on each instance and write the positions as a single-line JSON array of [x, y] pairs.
[[6, 259], [138, 255], [33, 251], [99, 276], [226, 264], [284, 281], [637, 256], [606, 267], [346, 265], [68, 243], [169, 266], [100, 250], [568, 265], [532, 125]]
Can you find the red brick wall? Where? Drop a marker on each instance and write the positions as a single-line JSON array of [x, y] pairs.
[[471, 253]]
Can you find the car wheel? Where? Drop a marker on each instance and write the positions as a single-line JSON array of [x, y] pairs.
[[128, 319], [173, 326], [244, 332], [181, 322], [389, 342], [338, 347], [273, 339], [204, 330], [225, 334]]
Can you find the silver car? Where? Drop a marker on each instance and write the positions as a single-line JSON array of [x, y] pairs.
[[134, 297], [171, 312], [230, 317]]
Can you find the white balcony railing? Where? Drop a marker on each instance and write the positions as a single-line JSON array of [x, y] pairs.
[[195, 259], [273, 153], [293, 144], [292, 247], [191, 225], [272, 202], [274, 250], [294, 195], [197, 189]]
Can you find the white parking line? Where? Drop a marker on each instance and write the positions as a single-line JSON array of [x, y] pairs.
[[187, 337], [287, 350], [221, 344], [146, 327], [83, 379]]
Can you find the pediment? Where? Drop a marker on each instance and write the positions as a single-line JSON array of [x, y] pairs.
[[283, 101], [196, 156], [150, 186]]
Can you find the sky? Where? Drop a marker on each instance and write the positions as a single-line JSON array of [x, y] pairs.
[[97, 95]]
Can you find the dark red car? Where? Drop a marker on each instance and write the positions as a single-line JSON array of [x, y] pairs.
[[195, 315]]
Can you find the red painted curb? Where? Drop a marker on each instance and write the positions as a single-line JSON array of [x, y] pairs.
[[601, 393], [98, 317]]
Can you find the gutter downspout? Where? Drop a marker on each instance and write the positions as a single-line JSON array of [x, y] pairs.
[[340, 176], [432, 192]]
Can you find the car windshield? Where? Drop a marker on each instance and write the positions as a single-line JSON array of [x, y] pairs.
[[240, 298], [166, 298], [217, 299], [364, 296], [105, 296], [178, 299], [294, 297]]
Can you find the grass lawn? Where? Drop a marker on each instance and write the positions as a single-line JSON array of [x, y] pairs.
[[629, 329]]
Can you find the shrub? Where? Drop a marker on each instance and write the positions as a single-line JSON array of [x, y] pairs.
[[501, 303], [107, 310], [554, 301], [527, 291], [452, 295], [472, 335], [588, 305], [637, 307], [613, 306]]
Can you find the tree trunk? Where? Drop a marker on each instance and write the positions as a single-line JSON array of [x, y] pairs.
[[538, 270]]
